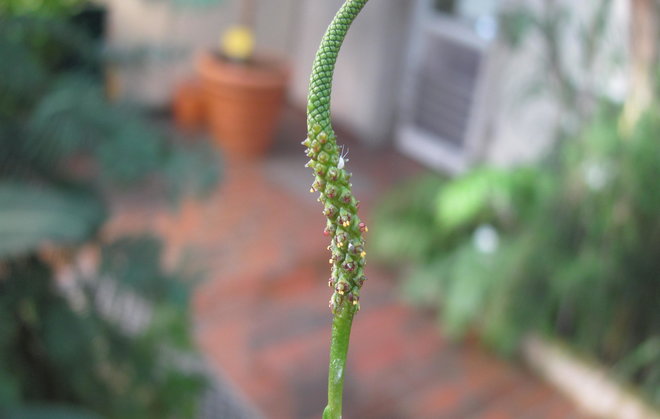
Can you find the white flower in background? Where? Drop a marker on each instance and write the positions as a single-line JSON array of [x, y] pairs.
[[595, 175], [486, 239]]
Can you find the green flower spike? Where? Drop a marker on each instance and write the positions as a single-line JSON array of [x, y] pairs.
[[340, 206]]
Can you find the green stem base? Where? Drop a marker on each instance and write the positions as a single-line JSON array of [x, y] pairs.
[[341, 333]]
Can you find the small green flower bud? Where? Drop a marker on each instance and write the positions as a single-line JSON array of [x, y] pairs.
[[320, 169], [356, 250], [319, 184], [342, 287], [341, 237], [344, 218], [330, 211], [330, 227], [349, 266], [346, 197], [353, 297], [338, 299], [331, 191], [333, 174]]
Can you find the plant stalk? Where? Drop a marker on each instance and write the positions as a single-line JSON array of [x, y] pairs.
[[332, 180], [341, 333]]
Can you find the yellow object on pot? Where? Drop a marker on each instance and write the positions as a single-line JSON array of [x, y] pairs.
[[238, 43]]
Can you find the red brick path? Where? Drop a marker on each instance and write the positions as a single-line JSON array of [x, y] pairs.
[[262, 318]]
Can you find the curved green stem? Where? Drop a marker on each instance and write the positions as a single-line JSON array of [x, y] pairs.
[[340, 206]]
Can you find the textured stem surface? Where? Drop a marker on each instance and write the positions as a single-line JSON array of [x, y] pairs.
[[332, 180]]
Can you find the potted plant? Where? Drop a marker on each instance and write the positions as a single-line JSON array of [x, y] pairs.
[[243, 91]]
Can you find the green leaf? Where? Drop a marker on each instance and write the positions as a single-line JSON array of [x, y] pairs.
[[31, 216], [462, 200], [48, 411], [31, 7]]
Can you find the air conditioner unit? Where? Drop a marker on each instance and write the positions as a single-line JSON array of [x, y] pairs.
[[443, 103]]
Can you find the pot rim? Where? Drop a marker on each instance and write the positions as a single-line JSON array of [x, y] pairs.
[[217, 71]]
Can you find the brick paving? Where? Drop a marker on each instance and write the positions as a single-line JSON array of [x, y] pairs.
[[262, 319]]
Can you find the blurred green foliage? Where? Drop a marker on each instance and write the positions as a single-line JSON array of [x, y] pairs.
[[30, 216], [90, 354], [568, 248], [40, 7], [108, 342], [573, 60]]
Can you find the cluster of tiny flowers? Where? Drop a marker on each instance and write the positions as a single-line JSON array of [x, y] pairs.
[[343, 225]]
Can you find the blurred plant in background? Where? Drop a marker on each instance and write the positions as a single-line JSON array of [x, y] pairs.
[[566, 248], [575, 61], [40, 7], [109, 340]]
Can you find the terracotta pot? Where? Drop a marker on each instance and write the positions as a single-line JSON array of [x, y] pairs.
[[188, 105], [243, 101]]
